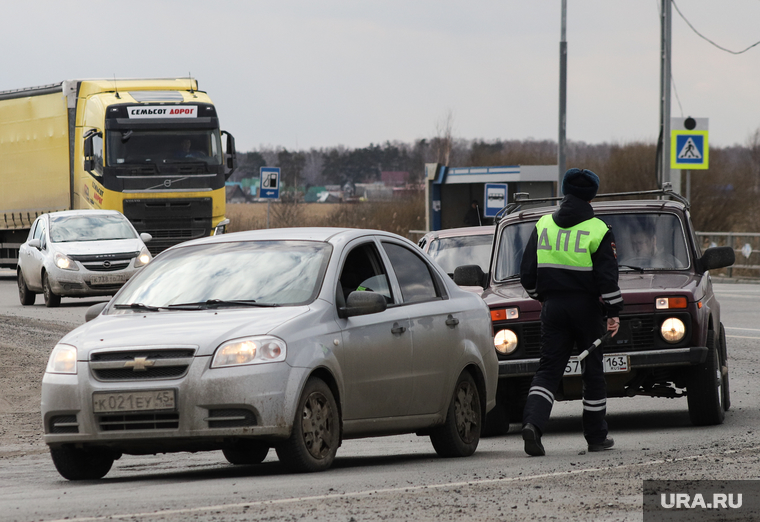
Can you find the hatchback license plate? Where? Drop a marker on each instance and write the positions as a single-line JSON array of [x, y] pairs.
[[613, 363], [108, 279], [156, 400]]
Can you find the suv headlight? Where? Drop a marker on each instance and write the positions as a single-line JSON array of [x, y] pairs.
[[505, 341], [63, 359], [672, 330], [250, 350], [144, 258], [64, 262]]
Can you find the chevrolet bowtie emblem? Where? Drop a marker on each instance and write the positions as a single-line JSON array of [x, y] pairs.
[[140, 364]]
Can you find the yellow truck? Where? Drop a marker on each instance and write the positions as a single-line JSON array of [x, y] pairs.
[[149, 148]]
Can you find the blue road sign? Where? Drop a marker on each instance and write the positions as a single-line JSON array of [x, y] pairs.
[[495, 198], [269, 188]]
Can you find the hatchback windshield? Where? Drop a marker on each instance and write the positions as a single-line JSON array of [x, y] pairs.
[[643, 241], [451, 252], [98, 227], [252, 272]]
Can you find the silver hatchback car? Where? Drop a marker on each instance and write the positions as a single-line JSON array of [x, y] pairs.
[[292, 339], [78, 253]]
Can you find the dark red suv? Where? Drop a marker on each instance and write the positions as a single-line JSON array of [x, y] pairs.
[[671, 341]]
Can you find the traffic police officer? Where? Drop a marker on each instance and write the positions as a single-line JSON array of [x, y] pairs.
[[568, 263]]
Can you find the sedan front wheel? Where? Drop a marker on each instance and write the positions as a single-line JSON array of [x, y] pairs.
[[314, 440]]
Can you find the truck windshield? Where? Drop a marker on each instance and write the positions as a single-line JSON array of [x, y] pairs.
[[648, 241], [160, 147]]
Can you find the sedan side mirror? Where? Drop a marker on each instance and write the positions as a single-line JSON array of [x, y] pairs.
[[36, 243], [94, 311], [363, 303], [145, 237], [717, 257], [469, 275]]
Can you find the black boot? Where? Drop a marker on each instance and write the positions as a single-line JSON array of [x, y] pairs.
[[532, 437]]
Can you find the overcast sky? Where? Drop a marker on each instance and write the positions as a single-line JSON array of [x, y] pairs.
[[322, 73]]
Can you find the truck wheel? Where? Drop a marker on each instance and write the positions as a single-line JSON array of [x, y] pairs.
[[51, 299], [25, 295], [246, 453], [704, 387], [460, 434], [314, 441], [82, 464], [724, 369]]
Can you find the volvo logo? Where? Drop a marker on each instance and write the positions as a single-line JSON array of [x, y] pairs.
[[139, 364], [167, 183], [106, 264]]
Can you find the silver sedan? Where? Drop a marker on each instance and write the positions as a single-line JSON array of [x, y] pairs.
[[292, 339], [79, 253]]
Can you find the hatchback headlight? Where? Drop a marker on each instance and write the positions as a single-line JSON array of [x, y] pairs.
[[64, 262], [63, 359], [672, 330], [505, 341], [251, 350], [143, 259]]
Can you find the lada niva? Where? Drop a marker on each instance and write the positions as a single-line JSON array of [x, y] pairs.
[[671, 341]]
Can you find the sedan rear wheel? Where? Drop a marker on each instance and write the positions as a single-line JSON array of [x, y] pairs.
[[314, 440], [460, 434], [25, 295], [82, 464], [51, 299]]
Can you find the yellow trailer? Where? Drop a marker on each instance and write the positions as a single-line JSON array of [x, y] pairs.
[[149, 148]]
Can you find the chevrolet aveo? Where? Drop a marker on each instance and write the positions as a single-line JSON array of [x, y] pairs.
[[292, 339]]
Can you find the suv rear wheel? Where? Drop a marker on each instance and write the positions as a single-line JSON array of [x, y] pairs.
[[704, 388]]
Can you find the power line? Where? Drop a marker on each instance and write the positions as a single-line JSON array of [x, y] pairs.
[[707, 39]]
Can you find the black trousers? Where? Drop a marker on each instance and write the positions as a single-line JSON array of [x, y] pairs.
[[567, 319]]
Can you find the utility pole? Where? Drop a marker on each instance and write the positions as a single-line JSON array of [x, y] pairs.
[[665, 37], [562, 140]]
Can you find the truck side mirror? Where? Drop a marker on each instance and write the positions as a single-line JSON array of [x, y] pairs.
[[470, 275], [230, 156], [717, 257]]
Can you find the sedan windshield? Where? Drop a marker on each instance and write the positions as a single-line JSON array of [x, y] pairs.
[[97, 227], [451, 252], [644, 241], [231, 275]]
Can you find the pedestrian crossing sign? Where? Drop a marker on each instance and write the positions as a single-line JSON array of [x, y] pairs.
[[689, 148]]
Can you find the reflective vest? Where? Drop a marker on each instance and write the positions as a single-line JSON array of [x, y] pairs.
[[568, 248]]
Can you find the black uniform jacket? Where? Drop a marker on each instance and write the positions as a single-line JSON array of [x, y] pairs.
[[541, 283]]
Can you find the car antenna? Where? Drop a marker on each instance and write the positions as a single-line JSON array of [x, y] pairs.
[[115, 87], [190, 76]]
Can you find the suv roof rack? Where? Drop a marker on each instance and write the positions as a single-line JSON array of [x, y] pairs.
[[523, 197]]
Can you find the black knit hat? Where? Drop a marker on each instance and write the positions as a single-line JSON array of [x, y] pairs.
[[581, 183]]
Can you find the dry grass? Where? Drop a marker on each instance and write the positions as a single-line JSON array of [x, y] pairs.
[[392, 216]]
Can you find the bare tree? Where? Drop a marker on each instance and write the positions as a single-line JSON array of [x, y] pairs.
[[444, 139], [753, 144]]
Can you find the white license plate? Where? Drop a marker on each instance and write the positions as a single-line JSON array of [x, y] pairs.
[[108, 279], [156, 400], [613, 363]]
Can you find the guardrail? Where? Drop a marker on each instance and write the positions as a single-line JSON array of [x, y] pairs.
[[746, 245]]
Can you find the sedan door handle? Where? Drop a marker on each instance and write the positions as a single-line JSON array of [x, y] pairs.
[[452, 321], [398, 329]]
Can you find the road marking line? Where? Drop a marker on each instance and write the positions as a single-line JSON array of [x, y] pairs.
[[406, 489], [741, 337], [740, 328]]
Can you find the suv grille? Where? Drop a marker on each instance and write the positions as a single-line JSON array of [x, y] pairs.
[[141, 365]]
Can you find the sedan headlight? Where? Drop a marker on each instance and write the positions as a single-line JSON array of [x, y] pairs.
[[672, 330], [64, 262], [143, 259], [505, 341], [251, 350], [63, 359]]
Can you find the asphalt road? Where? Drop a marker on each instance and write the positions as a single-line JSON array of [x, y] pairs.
[[393, 478]]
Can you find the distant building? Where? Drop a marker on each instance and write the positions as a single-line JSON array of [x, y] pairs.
[[394, 178]]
